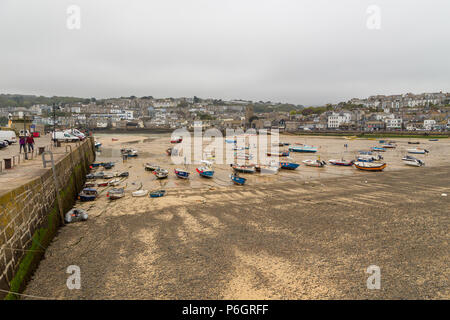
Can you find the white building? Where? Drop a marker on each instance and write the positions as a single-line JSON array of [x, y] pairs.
[[429, 124], [395, 123], [336, 119]]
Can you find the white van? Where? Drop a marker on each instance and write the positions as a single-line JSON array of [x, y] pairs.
[[76, 133], [6, 135], [64, 136]]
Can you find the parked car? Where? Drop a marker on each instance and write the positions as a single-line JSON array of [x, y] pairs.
[[64, 136], [6, 135]]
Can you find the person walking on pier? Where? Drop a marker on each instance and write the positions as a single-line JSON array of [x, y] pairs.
[[22, 143], [30, 143]]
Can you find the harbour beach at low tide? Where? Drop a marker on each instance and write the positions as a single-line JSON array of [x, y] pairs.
[[304, 234]]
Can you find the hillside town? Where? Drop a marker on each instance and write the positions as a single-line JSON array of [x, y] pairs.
[[406, 112]]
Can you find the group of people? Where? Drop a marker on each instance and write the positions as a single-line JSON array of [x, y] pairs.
[[26, 140]]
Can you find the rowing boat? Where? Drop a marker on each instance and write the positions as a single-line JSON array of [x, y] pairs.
[[182, 174], [370, 166], [304, 149], [314, 163], [237, 180], [341, 162], [417, 151], [243, 168]]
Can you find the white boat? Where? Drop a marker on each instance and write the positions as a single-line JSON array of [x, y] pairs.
[[139, 193], [314, 163], [411, 161], [114, 182], [417, 151]]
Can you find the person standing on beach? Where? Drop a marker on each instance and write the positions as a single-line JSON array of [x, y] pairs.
[[30, 143], [22, 142]]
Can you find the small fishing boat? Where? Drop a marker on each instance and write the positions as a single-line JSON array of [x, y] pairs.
[[157, 194], [114, 139], [389, 146], [237, 180], [370, 166], [108, 175], [206, 170], [413, 142], [411, 161], [75, 215], [244, 168], [270, 169], [433, 140], [304, 149], [278, 154], [365, 152], [289, 165], [341, 162], [132, 154], [182, 174], [89, 185], [108, 165], [115, 193], [103, 184], [139, 193], [314, 163], [378, 149], [176, 140], [418, 151], [151, 167], [99, 175], [169, 151], [96, 164], [161, 173], [124, 174], [114, 182], [88, 194], [368, 158]]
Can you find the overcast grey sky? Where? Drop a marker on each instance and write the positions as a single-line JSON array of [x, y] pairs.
[[304, 52]]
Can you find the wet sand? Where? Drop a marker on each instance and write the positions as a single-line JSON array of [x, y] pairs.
[[307, 234]]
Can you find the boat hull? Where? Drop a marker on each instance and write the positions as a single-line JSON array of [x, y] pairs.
[[380, 167], [289, 165]]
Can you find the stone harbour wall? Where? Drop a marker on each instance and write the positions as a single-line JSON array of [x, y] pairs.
[[30, 217]]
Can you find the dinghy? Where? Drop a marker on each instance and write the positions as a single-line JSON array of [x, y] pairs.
[[368, 158], [370, 166], [182, 174], [278, 154], [115, 193], [139, 193], [157, 194], [314, 163], [378, 149], [341, 162], [411, 161], [161, 173], [103, 184], [96, 164], [108, 165], [237, 180], [88, 194], [389, 146], [417, 151], [413, 142], [75, 215]]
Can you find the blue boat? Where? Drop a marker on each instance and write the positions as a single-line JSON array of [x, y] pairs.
[[182, 174], [237, 180], [96, 164], [366, 152], [88, 194], [206, 170], [308, 149], [289, 165], [230, 141], [379, 149], [157, 194]]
